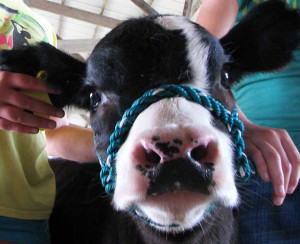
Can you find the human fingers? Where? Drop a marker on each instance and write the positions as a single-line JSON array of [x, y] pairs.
[[20, 100], [19, 116], [274, 138], [26, 82], [294, 158], [11, 126], [273, 160], [257, 157], [268, 141], [294, 181]]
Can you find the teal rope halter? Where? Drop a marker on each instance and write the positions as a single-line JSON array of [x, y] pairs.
[[231, 121]]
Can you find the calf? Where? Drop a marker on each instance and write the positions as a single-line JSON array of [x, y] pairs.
[[174, 173]]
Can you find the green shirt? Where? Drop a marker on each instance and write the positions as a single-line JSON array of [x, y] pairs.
[[27, 183]]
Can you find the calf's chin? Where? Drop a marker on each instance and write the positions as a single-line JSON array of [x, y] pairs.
[[178, 133]]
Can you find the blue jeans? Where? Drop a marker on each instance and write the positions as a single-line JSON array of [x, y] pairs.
[[261, 222]]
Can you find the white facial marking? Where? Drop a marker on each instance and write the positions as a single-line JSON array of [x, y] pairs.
[[197, 48], [174, 118]]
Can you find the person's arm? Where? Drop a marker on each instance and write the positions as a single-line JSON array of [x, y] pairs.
[[217, 16], [272, 150], [16, 114], [71, 142], [16, 108], [275, 156]]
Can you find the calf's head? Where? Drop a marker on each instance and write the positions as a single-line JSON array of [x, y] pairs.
[[178, 158]]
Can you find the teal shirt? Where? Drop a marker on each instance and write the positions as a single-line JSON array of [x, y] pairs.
[[272, 99], [245, 5]]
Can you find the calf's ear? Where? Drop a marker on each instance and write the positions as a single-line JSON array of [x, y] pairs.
[[264, 40], [64, 72]]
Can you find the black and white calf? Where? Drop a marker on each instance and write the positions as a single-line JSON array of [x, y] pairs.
[[161, 195]]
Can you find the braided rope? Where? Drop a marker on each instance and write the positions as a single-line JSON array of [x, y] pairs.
[[231, 121]]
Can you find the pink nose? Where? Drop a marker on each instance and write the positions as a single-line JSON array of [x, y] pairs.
[[162, 148]]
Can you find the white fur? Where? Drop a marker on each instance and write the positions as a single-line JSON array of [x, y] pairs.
[[177, 117], [197, 49]]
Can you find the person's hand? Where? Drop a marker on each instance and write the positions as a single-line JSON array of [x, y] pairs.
[[276, 158], [16, 108]]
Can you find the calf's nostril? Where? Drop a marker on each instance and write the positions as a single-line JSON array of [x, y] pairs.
[[145, 155], [152, 156], [199, 153]]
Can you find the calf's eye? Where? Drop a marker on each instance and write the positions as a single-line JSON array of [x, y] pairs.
[[95, 100], [225, 79]]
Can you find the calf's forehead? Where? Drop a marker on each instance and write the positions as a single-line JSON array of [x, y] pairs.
[[149, 52], [204, 53]]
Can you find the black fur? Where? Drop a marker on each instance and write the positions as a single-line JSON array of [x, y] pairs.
[[138, 55], [269, 29], [64, 72], [83, 214]]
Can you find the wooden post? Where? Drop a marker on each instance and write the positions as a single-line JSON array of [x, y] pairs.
[[144, 6], [187, 8]]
